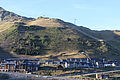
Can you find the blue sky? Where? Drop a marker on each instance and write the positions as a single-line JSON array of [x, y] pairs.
[[94, 14]]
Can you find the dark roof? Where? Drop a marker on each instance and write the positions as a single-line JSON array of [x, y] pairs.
[[13, 59], [63, 60]]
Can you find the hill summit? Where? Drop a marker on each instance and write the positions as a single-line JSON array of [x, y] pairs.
[[1, 9], [49, 22]]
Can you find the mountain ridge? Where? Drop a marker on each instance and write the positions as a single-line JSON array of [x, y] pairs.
[[7, 16]]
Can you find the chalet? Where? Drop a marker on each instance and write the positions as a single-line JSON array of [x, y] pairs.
[[108, 65], [75, 64], [52, 62], [78, 60], [86, 60], [64, 60], [102, 76], [111, 63], [99, 64], [72, 64], [7, 67]]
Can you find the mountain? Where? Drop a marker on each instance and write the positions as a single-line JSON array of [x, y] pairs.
[[51, 38], [6, 16], [8, 19]]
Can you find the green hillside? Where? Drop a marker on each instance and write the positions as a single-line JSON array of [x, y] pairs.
[[35, 40], [111, 37]]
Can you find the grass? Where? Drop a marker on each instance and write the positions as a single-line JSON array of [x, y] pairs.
[[5, 25], [58, 40]]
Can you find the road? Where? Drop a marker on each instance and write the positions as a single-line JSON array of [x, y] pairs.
[[96, 73], [21, 75]]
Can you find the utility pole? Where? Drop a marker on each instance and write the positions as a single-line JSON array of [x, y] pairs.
[[75, 20]]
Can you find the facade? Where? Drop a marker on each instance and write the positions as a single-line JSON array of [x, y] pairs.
[[88, 63], [19, 65], [101, 76], [52, 62], [75, 63], [29, 65]]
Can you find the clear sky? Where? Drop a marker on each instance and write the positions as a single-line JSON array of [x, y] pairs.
[[94, 14]]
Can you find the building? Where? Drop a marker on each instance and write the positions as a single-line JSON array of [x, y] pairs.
[[19, 65], [102, 76], [52, 62]]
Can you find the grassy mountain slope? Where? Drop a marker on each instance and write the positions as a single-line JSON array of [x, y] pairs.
[[36, 40], [109, 36], [52, 38]]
